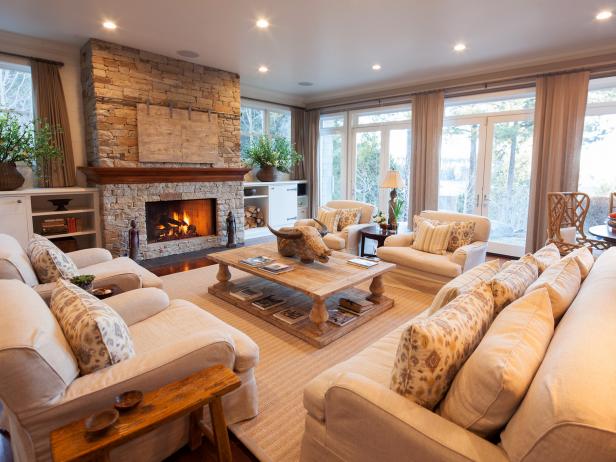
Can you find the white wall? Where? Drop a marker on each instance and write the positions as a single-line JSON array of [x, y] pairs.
[[71, 81]]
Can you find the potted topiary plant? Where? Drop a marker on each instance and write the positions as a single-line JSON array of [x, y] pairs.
[[271, 154], [84, 281], [19, 142]]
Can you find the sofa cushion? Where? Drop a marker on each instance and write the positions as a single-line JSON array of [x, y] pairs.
[[511, 282], [48, 261], [367, 210], [547, 256], [334, 241], [562, 282], [491, 384], [14, 261], [466, 281], [123, 265], [482, 224], [348, 217], [98, 336], [569, 411], [329, 217], [583, 257], [462, 233], [427, 262], [432, 349], [432, 238]]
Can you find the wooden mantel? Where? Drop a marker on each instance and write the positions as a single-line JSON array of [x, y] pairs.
[[144, 175]]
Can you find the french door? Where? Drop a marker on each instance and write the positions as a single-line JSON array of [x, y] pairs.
[[485, 168]]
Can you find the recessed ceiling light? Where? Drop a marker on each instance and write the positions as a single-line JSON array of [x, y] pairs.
[[376, 67], [188, 53], [305, 84], [263, 69], [262, 23], [459, 47], [109, 25], [603, 15]]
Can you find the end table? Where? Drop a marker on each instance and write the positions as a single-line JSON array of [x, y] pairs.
[[375, 233]]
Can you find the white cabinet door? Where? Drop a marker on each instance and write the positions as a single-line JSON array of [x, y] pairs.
[[282, 205], [14, 217]]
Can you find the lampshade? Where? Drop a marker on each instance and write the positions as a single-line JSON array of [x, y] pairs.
[[392, 179]]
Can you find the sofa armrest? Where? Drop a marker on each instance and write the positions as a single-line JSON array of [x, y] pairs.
[[367, 421], [471, 255], [88, 257], [137, 305], [305, 222], [351, 234], [400, 240]]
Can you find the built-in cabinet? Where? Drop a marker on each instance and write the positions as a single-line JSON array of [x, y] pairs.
[[25, 212]]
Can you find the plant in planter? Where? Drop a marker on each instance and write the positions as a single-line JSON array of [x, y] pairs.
[[30, 143], [84, 281], [380, 219], [398, 210], [271, 155]]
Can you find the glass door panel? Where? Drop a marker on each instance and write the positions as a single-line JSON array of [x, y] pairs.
[[459, 167], [507, 183], [331, 168], [367, 166], [400, 160]]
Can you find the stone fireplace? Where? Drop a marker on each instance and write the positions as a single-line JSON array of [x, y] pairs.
[[115, 81]]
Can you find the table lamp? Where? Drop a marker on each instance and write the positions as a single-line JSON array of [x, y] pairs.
[[392, 180]]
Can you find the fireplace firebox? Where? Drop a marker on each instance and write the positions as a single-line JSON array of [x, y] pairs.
[[180, 219]]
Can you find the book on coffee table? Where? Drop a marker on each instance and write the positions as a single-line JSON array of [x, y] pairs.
[[246, 294], [291, 315], [362, 262], [277, 268], [257, 262], [355, 304], [340, 317], [268, 302]]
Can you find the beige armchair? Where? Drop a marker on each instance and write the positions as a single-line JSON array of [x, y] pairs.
[[428, 271], [347, 239], [41, 388], [122, 272]]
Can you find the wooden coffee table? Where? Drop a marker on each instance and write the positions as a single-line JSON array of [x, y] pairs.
[[314, 287]]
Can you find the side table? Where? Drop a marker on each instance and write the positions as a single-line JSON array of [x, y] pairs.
[[177, 399], [375, 233]]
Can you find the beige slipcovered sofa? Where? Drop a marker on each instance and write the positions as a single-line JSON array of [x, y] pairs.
[[346, 240], [568, 413], [428, 271], [41, 388], [122, 271]]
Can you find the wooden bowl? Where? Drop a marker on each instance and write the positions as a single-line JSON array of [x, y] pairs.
[[99, 423], [128, 400]]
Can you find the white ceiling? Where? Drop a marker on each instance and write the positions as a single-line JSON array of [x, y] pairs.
[[332, 43]]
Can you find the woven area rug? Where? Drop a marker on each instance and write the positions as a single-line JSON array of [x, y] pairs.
[[287, 363]]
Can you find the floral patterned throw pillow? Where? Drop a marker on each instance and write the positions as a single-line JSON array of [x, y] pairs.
[[97, 334], [511, 282], [433, 349], [48, 261], [348, 217], [462, 233]]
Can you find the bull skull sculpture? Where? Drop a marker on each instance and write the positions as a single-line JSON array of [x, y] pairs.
[[303, 241]]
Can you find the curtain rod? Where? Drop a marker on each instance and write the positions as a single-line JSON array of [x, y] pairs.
[[32, 58], [257, 100]]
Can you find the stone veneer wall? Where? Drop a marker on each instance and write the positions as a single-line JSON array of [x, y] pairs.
[[114, 79]]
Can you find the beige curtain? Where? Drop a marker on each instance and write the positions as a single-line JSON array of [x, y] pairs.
[[311, 158], [428, 111], [298, 138], [559, 125], [50, 106]]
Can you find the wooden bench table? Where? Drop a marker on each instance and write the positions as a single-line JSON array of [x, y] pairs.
[[177, 399]]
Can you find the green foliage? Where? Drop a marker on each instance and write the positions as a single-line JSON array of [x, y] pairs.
[[398, 209], [83, 280], [30, 143], [367, 167], [276, 151]]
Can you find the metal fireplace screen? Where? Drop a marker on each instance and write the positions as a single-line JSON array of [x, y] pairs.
[[181, 219]]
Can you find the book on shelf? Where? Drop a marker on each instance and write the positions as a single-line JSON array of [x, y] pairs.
[[246, 294], [362, 262], [257, 262], [340, 317], [291, 315], [268, 302], [50, 226], [356, 304], [277, 268]]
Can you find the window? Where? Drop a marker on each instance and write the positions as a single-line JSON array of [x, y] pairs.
[[332, 165], [16, 90], [485, 164], [258, 119]]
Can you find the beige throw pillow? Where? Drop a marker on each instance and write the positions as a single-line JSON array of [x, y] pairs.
[[329, 217], [432, 239], [583, 257], [48, 261], [462, 233], [562, 282], [348, 217], [546, 257], [97, 334], [432, 349], [493, 381], [463, 283], [511, 282]]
